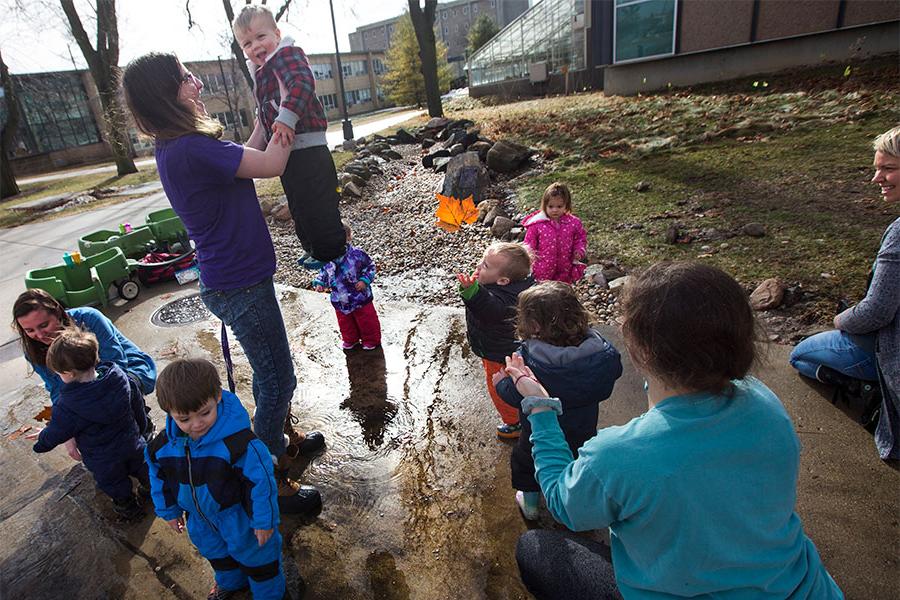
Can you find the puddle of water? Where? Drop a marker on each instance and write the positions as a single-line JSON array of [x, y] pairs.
[[415, 485]]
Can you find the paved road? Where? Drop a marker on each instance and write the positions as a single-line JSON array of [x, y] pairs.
[[335, 136]]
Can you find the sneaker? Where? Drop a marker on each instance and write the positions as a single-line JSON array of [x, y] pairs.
[[528, 504], [368, 347], [308, 262], [217, 593], [128, 509], [509, 432], [348, 345]]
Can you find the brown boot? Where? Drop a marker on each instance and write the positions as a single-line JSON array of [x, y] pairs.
[[299, 443], [294, 499]]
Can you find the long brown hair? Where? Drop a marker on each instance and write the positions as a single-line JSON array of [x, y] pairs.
[[550, 312], [151, 83], [690, 325], [28, 302]]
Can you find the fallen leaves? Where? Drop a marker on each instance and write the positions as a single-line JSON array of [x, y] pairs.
[[19, 432], [453, 213]]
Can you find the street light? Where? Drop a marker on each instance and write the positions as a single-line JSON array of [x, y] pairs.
[[347, 124]]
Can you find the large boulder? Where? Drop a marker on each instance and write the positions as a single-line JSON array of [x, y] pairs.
[[405, 137], [465, 177], [505, 156], [428, 159], [482, 148], [767, 295]]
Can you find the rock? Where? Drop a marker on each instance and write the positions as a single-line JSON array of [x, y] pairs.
[[754, 230], [347, 178], [617, 286], [358, 169], [484, 207], [466, 176], [594, 274], [405, 137], [349, 145], [767, 295], [495, 212], [282, 213], [613, 272], [428, 143], [440, 164], [671, 234], [505, 156], [359, 181], [456, 149], [516, 232], [428, 159], [390, 154], [266, 205], [351, 191], [481, 148], [437, 123], [361, 141], [643, 186], [502, 226]]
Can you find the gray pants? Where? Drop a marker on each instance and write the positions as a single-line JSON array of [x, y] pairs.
[[559, 564]]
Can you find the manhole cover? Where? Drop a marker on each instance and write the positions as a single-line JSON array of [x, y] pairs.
[[189, 309]]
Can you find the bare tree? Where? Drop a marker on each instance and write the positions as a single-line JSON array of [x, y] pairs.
[[8, 185], [423, 23], [103, 64]]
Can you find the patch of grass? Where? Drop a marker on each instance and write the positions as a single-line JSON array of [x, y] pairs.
[[70, 185], [809, 187]]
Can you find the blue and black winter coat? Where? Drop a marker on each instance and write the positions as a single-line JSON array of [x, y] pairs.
[[98, 415], [225, 477], [581, 377]]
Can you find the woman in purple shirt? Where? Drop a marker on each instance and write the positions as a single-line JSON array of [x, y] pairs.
[[209, 183]]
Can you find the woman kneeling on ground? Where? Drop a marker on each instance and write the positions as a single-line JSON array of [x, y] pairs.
[[209, 183], [865, 341], [697, 503]]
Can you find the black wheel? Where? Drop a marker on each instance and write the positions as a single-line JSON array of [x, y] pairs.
[[128, 290]]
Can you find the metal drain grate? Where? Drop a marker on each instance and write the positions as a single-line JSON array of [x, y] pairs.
[[189, 309]]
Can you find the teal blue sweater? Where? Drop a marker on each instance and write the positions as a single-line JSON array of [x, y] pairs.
[[698, 494]]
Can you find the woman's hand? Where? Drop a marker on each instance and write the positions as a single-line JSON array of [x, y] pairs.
[[524, 379]]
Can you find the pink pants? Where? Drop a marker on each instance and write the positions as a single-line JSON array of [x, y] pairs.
[[360, 325]]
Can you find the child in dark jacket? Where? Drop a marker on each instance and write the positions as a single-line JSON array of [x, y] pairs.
[[490, 296], [94, 408], [209, 464], [349, 278], [573, 362]]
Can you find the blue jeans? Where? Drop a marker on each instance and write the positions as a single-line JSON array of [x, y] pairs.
[[852, 355], [254, 317]]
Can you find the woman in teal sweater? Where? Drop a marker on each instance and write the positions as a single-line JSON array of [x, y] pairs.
[[699, 492]]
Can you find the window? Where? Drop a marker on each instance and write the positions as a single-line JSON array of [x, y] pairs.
[[346, 69], [321, 71], [466, 9], [474, 8], [643, 28], [443, 15], [377, 66], [446, 31], [244, 120], [329, 101]]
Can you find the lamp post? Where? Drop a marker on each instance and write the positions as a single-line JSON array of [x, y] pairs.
[[347, 124]]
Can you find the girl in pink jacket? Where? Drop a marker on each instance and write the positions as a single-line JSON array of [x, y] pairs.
[[557, 237]]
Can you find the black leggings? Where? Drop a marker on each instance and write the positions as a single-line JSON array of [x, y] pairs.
[[310, 184], [559, 564]]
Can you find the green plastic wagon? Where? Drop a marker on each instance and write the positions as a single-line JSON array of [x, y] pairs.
[[166, 226], [134, 244], [89, 281]]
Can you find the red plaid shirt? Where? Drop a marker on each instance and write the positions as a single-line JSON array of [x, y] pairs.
[[290, 64]]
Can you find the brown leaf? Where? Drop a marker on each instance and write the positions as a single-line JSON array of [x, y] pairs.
[[44, 415], [19, 432]]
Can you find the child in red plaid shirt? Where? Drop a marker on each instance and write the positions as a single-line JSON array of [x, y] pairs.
[[288, 109]]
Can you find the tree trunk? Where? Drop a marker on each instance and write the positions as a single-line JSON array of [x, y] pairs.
[[8, 185], [423, 23], [103, 65]]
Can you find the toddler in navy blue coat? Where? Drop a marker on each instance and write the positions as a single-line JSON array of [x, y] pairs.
[[574, 362], [94, 408]]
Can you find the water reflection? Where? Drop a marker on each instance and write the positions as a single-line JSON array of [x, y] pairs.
[[368, 398]]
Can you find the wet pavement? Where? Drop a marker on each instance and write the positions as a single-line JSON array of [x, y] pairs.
[[418, 502]]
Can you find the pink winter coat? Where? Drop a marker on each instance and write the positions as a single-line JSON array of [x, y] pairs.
[[555, 245]]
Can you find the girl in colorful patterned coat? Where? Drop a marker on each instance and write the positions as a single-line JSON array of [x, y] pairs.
[[349, 278], [557, 237]]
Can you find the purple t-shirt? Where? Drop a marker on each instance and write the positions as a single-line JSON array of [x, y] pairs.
[[221, 212]]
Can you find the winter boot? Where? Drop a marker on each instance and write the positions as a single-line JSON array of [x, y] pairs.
[[294, 499], [299, 444], [217, 593]]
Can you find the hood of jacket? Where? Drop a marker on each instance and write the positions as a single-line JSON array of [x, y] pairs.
[[511, 290], [539, 217], [229, 420], [284, 43], [100, 400], [579, 372]]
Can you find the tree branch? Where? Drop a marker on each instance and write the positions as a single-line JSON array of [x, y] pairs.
[[80, 35]]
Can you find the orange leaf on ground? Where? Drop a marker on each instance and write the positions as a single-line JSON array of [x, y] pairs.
[[18, 432], [452, 213], [44, 415]]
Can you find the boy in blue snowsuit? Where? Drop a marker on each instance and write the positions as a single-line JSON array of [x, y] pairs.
[[94, 406], [209, 464]]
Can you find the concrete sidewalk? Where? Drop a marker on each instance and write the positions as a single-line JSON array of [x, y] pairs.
[[416, 488]]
